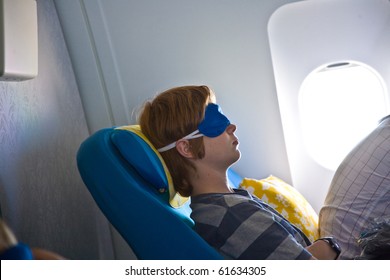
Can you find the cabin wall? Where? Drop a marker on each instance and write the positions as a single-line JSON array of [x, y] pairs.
[[335, 26], [125, 52], [42, 124]]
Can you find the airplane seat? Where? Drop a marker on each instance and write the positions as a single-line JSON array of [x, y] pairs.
[[129, 181]]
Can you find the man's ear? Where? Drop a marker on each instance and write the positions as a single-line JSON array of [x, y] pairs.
[[183, 147]]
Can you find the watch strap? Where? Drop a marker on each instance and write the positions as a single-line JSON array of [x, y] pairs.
[[333, 244]]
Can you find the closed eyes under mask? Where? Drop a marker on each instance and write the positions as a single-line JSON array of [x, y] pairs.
[[213, 125]]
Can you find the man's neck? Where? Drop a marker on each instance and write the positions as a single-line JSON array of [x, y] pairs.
[[210, 181]]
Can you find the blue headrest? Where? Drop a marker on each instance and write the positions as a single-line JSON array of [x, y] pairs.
[[19, 251], [140, 153]]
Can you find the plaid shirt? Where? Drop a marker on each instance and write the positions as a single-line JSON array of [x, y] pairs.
[[359, 192]]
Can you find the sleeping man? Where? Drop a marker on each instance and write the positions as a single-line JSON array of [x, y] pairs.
[[198, 144]]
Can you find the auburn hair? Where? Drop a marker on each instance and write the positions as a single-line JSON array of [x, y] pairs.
[[170, 116]]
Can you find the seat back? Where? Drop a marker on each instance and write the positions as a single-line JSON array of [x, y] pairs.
[[134, 206]]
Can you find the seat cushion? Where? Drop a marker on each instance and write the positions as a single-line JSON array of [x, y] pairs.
[[287, 201]]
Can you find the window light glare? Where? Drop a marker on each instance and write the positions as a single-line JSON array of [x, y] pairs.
[[339, 106]]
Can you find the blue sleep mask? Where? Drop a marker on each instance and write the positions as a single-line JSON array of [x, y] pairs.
[[213, 125], [214, 122]]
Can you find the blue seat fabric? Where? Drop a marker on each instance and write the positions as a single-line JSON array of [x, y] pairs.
[[152, 228]]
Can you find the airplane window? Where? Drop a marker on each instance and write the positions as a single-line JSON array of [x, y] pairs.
[[339, 105]]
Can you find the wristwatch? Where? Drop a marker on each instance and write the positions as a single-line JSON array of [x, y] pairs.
[[333, 244]]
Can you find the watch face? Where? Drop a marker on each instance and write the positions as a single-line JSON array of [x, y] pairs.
[[336, 244], [333, 244]]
